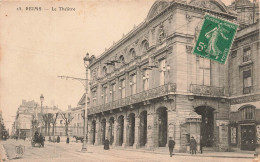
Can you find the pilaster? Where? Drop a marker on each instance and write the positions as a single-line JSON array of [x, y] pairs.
[[151, 129], [89, 135], [126, 128], [97, 140], [116, 138], [137, 132]]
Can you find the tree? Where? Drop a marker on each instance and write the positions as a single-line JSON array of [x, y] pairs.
[[53, 122], [47, 120], [35, 124], [67, 117]]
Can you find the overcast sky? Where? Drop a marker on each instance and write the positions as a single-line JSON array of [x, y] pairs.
[[37, 46]]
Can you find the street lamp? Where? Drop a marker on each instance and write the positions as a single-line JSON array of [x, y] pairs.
[[41, 98], [86, 64]]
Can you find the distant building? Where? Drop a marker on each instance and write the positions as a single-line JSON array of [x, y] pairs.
[[29, 111], [24, 116], [76, 125]]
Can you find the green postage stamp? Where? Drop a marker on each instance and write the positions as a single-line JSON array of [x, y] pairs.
[[215, 39]]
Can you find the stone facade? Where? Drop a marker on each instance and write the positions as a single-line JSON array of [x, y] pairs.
[[244, 90], [148, 86]]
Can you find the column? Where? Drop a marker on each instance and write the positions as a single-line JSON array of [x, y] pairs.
[[177, 134], [125, 136], [151, 126], [89, 135], [115, 132], [97, 137], [137, 132]]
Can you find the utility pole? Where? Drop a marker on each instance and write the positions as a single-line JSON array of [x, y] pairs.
[[85, 83]]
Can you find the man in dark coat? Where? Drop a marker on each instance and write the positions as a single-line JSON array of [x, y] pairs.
[[41, 138], [193, 145], [171, 145], [58, 139], [106, 144], [68, 140]]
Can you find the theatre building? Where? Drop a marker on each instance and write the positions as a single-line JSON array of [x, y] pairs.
[[244, 65], [149, 86]]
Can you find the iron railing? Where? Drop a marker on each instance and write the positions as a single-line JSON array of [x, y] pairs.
[[136, 98], [207, 90]]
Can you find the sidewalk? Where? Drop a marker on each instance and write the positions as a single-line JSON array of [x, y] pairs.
[[245, 155], [3, 156]]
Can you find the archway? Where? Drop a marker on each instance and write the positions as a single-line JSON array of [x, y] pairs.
[[103, 130], [93, 131], [162, 126], [143, 128], [111, 130], [131, 129], [207, 125], [120, 130]]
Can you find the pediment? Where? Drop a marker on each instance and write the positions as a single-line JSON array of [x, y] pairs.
[[215, 5], [157, 8]]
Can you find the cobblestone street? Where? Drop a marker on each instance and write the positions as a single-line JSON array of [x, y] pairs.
[[71, 152]]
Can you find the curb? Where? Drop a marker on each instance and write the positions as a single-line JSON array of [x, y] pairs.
[[183, 154]]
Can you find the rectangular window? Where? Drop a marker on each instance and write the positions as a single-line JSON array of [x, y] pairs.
[[247, 55], [113, 92], [146, 80], [248, 113], [247, 82], [94, 98], [233, 54], [133, 84], [122, 88], [104, 95], [204, 71], [162, 71]]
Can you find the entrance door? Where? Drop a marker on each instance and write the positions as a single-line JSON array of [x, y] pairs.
[[111, 130], [103, 128], [162, 119], [131, 130], [121, 130], [207, 125], [143, 128], [248, 137], [94, 132]]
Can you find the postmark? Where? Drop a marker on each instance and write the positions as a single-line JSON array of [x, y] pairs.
[[215, 39]]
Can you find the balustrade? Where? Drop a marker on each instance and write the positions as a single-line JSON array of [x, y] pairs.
[[136, 98], [207, 90]]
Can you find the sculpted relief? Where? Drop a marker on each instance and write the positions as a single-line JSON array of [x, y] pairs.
[[211, 5]]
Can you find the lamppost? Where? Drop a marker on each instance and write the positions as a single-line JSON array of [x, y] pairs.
[[86, 64], [42, 99]]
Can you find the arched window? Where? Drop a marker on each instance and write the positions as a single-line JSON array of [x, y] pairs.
[[247, 113], [104, 70], [132, 53], [122, 59], [145, 46]]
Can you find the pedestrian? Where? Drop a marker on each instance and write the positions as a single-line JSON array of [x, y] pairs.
[[171, 145], [193, 145], [58, 139], [41, 138], [68, 140], [50, 139], [106, 144]]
